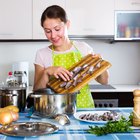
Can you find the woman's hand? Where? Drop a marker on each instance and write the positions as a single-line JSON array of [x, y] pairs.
[[59, 72], [103, 78], [96, 55]]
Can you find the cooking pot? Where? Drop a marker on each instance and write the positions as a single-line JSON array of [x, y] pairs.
[[49, 103], [13, 96]]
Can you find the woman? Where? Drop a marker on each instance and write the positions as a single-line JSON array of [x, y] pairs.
[[54, 60]]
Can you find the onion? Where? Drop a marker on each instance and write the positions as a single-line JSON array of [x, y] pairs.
[[12, 107], [15, 115], [6, 118], [8, 114]]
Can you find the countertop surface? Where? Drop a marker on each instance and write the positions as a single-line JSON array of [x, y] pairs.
[[107, 88], [77, 130], [113, 88]]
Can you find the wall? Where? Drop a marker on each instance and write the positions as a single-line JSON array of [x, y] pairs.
[[124, 58]]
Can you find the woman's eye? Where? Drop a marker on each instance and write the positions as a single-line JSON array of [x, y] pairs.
[[47, 31], [57, 29]]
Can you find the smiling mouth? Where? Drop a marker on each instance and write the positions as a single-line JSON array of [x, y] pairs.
[[55, 41]]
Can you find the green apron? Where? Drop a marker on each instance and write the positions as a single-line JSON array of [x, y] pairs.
[[66, 60]]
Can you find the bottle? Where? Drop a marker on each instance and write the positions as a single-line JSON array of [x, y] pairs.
[[10, 80], [127, 32], [137, 32]]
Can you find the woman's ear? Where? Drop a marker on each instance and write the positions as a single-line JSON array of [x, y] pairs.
[[68, 24]]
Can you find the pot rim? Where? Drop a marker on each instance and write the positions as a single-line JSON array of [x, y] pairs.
[[12, 88], [48, 91]]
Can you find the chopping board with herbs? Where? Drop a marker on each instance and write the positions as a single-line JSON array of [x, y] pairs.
[[83, 71]]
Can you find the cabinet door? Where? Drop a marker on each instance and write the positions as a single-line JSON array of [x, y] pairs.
[[127, 4], [15, 19], [91, 17], [38, 8], [127, 25]]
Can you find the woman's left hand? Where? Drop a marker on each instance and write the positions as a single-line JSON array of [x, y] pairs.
[[103, 78], [96, 55]]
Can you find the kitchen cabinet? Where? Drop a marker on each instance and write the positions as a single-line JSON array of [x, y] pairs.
[[15, 19], [21, 19], [127, 4], [38, 8], [91, 17], [127, 15], [127, 25]]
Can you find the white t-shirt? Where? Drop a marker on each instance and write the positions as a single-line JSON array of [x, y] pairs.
[[44, 55]]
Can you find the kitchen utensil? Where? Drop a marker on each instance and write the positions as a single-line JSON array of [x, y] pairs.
[[23, 129], [83, 71], [45, 115], [13, 96], [21, 78], [48, 103], [136, 110], [62, 119], [21, 73], [138, 117]]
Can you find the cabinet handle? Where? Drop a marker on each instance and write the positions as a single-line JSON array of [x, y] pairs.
[[8, 34], [135, 3], [89, 29]]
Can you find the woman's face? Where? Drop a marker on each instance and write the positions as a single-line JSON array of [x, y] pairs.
[[55, 31]]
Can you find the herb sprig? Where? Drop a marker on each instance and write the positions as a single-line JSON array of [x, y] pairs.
[[122, 125]]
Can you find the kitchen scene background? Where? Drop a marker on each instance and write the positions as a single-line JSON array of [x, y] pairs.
[[116, 18], [124, 57]]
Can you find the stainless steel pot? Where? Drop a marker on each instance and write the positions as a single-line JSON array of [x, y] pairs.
[[49, 103], [13, 96]]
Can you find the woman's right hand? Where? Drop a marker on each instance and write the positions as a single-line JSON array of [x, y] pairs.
[[59, 72]]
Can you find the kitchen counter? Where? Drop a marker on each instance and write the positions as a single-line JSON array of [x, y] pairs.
[[115, 88], [77, 130], [113, 95]]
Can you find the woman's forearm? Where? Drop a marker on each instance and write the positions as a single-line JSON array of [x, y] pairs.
[[42, 81], [103, 78]]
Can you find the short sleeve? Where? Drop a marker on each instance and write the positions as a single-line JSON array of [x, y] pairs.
[[44, 57], [84, 48], [38, 59], [88, 48]]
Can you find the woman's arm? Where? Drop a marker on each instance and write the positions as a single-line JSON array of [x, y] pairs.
[[41, 78], [103, 78], [42, 75]]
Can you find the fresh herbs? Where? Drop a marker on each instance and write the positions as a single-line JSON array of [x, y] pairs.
[[122, 125]]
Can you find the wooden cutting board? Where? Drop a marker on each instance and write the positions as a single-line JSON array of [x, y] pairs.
[[89, 68]]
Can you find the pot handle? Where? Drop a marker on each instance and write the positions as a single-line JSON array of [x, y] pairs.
[[32, 95], [30, 101], [1, 94]]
